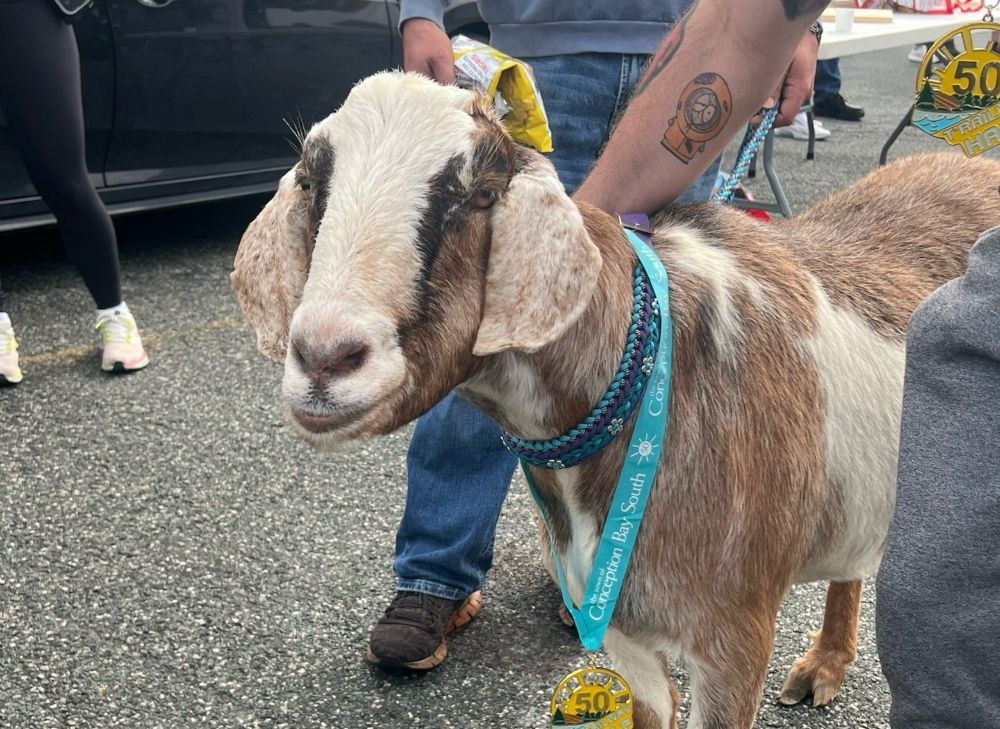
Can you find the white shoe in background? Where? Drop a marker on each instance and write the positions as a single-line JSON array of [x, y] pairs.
[[123, 350], [10, 372], [799, 128], [917, 53]]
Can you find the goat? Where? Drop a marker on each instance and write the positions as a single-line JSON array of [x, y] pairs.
[[415, 248]]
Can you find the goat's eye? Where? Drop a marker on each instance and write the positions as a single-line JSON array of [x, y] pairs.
[[302, 180], [483, 199]]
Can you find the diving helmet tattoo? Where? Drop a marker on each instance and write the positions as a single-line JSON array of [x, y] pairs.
[[703, 110]]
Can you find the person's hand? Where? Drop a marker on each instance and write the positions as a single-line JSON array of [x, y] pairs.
[[797, 86], [427, 50]]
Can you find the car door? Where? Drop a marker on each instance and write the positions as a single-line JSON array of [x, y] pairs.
[[205, 87], [176, 97], [18, 197], [298, 59]]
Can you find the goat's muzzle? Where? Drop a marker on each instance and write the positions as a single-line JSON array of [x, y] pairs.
[[342, 364]]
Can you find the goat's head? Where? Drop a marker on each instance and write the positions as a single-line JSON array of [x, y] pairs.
[[434, 240]]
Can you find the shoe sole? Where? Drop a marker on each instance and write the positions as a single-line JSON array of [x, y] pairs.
[[818, 138], [118, 368], [463, 616], [11, 378]]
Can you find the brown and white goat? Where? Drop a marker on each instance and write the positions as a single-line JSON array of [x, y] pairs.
[[415, 249]]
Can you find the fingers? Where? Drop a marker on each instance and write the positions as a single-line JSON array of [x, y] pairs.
[[443, 69], [798, 82], [427, 50], [771, 101]]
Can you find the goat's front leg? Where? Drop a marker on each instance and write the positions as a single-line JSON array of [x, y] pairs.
[[656, 700], [728, 666], [822, 669]]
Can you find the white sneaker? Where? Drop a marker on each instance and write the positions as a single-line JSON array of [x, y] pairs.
[[10, 373], [917, 53], [123, 351], [799, 128]]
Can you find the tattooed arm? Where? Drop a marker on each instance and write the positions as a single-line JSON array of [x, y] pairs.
[[711, 73]]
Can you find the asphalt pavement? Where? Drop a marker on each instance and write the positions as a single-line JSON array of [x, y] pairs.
[[172, 557]]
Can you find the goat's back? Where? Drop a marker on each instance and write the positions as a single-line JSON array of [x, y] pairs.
[[878, 247], [886, 242]]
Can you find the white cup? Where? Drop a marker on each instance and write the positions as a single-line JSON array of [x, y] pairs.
[[845, 19]]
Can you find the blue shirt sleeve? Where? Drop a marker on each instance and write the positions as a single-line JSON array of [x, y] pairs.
[[430, 9]]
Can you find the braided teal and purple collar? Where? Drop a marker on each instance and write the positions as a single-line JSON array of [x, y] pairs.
[[612, 412]]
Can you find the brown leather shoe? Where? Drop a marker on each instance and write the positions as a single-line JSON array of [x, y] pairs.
[[411, 634]]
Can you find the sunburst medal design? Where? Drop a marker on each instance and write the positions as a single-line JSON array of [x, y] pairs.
[[958, 89], [593, 697]]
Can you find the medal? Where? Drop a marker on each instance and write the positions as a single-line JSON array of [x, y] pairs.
[[592, 697], [958, 88]]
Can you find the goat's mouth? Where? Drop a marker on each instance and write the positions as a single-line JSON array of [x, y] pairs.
[[320, 423]]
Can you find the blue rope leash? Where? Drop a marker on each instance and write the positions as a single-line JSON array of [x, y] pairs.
[[748, 148]]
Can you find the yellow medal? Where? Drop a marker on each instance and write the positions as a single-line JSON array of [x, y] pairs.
[[958, 88], [592, 697]]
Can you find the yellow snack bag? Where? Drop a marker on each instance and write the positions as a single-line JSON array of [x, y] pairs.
[[510, 83]]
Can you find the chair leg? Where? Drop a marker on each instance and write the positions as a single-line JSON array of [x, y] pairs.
[[903, 124], [772, 176], [811, 123]]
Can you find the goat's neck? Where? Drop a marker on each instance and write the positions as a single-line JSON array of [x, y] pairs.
[[543, 394]]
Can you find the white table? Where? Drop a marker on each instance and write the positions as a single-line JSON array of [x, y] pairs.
[[906, 29]]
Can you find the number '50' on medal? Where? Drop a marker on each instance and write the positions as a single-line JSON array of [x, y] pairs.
[[597, 698], [958, 88]]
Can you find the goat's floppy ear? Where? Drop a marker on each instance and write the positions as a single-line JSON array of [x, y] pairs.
[[272, 265], [543, 266]]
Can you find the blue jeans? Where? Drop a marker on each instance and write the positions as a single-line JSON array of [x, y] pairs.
[[828, 81], [458, 470]]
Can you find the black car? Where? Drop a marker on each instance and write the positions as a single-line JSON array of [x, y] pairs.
[[192, 100]]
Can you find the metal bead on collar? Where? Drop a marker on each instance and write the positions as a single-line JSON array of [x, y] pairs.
[[612, 412]]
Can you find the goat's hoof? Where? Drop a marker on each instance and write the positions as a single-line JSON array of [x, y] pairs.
[[820, 673], [565, 617]]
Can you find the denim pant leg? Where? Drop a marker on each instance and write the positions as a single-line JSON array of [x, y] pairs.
[[458, 475], [938, 590], [827, 79]]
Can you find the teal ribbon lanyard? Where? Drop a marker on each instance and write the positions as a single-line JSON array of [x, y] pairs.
[[636, 481]]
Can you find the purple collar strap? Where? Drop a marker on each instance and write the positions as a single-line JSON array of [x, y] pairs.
[[639, 224]]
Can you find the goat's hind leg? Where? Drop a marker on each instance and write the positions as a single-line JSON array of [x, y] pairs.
[[822, 669], [656, 700]]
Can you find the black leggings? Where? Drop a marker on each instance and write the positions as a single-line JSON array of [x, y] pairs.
[[41, 99]]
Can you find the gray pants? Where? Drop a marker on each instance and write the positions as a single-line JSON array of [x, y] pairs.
[[938, 599]]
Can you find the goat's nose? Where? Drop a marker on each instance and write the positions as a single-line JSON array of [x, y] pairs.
[[321, 364]]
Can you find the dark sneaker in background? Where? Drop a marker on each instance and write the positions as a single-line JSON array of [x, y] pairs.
[[834, 107], [411, 634]]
